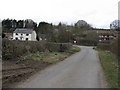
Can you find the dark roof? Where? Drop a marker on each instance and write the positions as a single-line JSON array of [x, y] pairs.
[[23, 30]]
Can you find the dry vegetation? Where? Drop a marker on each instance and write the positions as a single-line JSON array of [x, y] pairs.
[[15, 49], [18, 69]]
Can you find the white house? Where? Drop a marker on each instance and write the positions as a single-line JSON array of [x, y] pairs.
[[24, 34]]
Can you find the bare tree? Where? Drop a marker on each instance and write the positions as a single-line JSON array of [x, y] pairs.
[[115, 25]]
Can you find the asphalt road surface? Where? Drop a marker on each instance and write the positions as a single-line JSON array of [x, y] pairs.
[[81, 70]]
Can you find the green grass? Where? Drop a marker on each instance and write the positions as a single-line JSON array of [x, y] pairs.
[[74, 50], [36, 56], [52, 57], [109, 63]]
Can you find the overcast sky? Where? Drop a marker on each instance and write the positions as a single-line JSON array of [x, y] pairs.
[[98, 13]]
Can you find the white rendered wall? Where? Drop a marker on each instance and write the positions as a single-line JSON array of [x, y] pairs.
[[33, 36], [19, 35]]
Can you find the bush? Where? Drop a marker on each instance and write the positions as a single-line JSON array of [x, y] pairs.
[[87, 42], [58, 47], [114, 47], [110, 46], [64, 47], [104, 46], [15, 49], [52, 47]]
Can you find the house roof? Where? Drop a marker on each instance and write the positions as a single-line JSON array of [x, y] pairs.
[[23, 30]]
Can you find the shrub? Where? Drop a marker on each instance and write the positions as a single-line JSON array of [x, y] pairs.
[[58, 47], [15, 49], [114, 46], [87, 42], [52, 47], [64, 47], [110, 46], [104, 46]]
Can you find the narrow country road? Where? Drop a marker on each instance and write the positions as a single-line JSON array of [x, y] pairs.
[[81, 70]]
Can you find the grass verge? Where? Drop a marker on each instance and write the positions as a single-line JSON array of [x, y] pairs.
[[110, 67], [74, 49], [52, 57]]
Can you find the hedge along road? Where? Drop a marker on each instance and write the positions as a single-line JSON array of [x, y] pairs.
[[81, 70]]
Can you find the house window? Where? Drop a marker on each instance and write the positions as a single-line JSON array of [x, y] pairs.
[[21, 34], [27, 34], [16, 33], [16, 38], [26, 38], [107, 38]]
